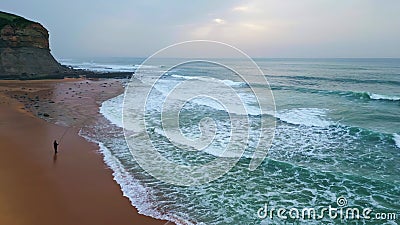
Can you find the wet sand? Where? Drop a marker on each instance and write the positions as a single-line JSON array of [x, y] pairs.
[[72, 187]]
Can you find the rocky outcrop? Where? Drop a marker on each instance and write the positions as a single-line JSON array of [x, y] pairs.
[[24, 49], [31, 35]]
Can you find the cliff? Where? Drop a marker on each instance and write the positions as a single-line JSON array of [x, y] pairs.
[[24, 49]]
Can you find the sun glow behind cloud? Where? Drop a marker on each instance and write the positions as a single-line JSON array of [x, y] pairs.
[[309, 28], [241, 25], [219, 21]]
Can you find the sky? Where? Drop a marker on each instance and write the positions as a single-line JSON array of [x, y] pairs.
[[260, 28]]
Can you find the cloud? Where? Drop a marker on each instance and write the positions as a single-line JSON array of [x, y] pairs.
[[241, 8], [308, 28], [219, 21], [253, 26]]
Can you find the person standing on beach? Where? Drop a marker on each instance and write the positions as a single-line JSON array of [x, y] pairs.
[[55, 145]]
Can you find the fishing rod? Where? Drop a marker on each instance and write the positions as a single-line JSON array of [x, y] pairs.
[[72, 126], [65, 132]]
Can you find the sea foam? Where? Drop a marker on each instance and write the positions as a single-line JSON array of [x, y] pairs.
[[140, 196], [383, 97], [396, 138], [311, 117], [112, 110]]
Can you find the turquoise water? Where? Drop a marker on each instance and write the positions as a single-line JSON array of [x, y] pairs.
[[337, 134]]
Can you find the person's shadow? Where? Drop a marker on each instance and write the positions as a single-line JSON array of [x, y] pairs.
[[54, 158]]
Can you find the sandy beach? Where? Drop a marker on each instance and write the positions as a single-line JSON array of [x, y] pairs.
[[72, 187]]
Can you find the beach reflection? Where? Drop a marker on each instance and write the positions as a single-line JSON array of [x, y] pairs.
[[54, 159]]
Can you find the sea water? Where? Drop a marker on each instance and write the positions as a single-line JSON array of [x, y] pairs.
[[337, 134]]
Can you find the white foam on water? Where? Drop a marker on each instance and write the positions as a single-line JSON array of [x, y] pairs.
[[105, 67], [246, 100], [165, 86], [312, 117], [139, 195], [102, 67], [136, 66], [396, 138], [383, 97], [249, 100], [188, 77], [227, 82], [234, 83], [112, 110]]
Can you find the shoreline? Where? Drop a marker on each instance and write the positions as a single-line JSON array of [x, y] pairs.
[[72, 187]]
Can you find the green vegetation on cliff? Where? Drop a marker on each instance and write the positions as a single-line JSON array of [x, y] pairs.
[[13, 20]]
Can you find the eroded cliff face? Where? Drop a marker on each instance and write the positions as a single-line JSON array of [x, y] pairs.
[[33, 35], [24, 49]]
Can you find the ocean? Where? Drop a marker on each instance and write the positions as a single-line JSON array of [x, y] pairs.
[[337, 136]]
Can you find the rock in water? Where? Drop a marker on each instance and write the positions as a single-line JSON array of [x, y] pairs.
[[24, 49]]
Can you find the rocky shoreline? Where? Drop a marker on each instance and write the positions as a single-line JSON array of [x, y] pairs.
[[72, 74]]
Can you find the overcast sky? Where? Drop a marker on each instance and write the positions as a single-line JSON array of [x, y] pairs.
[[261, 28]]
